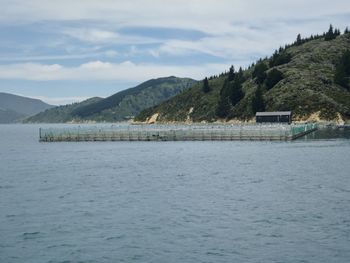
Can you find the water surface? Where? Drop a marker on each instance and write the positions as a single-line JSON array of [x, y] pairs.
[[173, 201]]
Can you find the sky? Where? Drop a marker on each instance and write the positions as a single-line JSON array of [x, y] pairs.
[[67, 51]]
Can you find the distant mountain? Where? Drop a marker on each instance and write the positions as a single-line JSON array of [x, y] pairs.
[[60, 114], [14, 108], [310, 77], [121, 106]]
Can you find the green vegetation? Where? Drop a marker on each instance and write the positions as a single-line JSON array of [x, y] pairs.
[[342, 71], [231, 93], [309, 77], [331, 34], [280, 57], [206, 87], [60, 114], [121, 106], [258, 101], [259, 72], [273, 77]]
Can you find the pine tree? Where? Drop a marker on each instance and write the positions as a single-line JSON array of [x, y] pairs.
[[239, 76], [205, 87], [236, 93], [273, 77], [258, 101], [259, 72], [280, 58], [336, 32], [231, 73], [223, 108], [346, 31], [224, 105], [342, 71], [330, 34], [298, 41]]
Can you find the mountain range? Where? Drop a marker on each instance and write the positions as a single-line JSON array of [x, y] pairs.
[[14, 108], [121, 106]]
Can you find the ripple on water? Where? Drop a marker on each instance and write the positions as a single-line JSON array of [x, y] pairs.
[[115, 237], [173, 202], [30, 235]]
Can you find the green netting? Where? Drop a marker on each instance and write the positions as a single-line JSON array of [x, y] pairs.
[[176, 132]]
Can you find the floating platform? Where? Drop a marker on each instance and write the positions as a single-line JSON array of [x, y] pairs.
[[172, 132]]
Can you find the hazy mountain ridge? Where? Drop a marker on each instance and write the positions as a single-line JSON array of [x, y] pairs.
[[14, 108]]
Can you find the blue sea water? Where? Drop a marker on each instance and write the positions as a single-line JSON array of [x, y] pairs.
[[173, 201]]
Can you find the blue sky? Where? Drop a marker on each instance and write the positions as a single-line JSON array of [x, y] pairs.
[[66, 51]]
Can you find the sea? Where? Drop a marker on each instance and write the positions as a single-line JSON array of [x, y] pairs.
[[222, 201]]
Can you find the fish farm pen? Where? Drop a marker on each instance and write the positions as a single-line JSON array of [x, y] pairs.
[[173, 132]]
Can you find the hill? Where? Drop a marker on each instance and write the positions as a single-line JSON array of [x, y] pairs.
[[302, 77], [60, 114], [14, 108], [120, 106]]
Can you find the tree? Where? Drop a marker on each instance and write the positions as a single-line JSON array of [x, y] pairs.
[[298, 41], [258, 101], [280, 58], [239, 76], [342, 71], [259, 72], [346, 31], [330, 34], [206, 87], [236, 93], [224, 106], [273, 77], [231, 73]]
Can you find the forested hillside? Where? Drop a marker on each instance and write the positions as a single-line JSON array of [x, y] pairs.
[[309, 77]]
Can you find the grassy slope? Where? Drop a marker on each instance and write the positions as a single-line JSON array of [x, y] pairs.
[[307, 88]]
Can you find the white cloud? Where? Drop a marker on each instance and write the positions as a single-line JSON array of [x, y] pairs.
[[237, 30], [102, 36], [208, 16], [92, 35], [111, 53], [98, 70]]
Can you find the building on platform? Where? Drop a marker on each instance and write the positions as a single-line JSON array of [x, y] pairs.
[[273, 117]]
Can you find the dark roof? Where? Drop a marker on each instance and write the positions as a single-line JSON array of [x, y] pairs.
[[273, 113]]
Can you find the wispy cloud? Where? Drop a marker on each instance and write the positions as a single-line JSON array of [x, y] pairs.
[[92, 35], [107, 53], [206, 16], [98, 70], [136, 40]]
